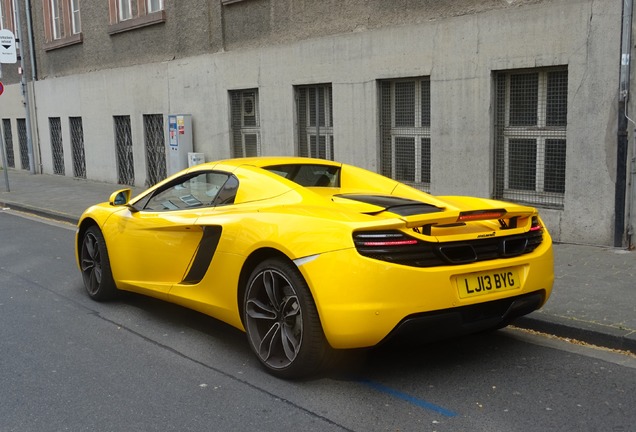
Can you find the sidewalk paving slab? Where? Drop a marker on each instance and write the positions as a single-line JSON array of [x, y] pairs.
[[593, 300]]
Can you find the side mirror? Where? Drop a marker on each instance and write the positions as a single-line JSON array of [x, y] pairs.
[[120, 197]]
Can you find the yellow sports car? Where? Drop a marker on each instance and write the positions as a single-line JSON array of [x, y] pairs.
[[308, 255]]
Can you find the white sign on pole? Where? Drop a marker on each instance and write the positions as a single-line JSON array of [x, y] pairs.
[[8, 52]]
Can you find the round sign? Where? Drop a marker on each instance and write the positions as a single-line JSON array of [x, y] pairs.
[[1, 87]]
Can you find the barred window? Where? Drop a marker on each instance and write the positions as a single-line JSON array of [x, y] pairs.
[[314, 107], [77, 146], [25, 163], [405, 130], [155, 148], [8, 142], [530, 136], [124, 150], [57, 149], [245, 123]]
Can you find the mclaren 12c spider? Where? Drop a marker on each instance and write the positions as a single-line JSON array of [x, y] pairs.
[[308, 256]]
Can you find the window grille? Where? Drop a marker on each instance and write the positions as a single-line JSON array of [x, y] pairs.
[[530, 136], [8, 142], [245, 123], [124, 151], [315, 121], [55, 129], [405, 130], [22, 142], [77, 147], [155, 148]]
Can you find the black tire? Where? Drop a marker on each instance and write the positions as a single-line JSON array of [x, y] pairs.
[[282, 323], [95, 266]]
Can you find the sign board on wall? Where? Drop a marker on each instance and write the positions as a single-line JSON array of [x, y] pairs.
[[8, 52]]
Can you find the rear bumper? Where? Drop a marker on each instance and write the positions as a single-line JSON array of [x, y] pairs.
[[437, 325], [362, 301]]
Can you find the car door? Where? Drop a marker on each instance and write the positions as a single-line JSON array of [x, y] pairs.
[[153, 244]]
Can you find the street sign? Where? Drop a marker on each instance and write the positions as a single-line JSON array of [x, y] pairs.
[[1, 88], [8, 52]]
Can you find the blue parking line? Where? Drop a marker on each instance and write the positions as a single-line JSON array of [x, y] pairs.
[[408, 398]]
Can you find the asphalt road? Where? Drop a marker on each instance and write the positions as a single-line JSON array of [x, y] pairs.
[[68, 363]]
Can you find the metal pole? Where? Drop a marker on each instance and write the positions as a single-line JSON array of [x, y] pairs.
[[4, 161], [16, 8], [3, 151]]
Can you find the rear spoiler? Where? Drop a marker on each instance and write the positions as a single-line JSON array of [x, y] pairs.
[[508, 218]]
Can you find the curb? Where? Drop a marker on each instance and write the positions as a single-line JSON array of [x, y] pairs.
[[587, 332], [50, 214]]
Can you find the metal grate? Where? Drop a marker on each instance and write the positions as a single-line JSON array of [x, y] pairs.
[[530, 136], [245, 123], [8, 142], [77, 147], [405, 131], [124, 150], [155, 149], [22, 141], [315, 121], [57, 149]]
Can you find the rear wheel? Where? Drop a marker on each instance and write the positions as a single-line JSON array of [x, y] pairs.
[[95, 265], [281, 320]]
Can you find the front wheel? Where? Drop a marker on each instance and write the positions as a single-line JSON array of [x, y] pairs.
[[281, 320], [95, 266]]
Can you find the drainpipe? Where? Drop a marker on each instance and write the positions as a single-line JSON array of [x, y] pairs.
[[34, 77], [622, 143], [27, 6]]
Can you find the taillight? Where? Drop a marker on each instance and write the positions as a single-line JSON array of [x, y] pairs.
[[536, 225], [383, 239], [477, 215], [394, 246]]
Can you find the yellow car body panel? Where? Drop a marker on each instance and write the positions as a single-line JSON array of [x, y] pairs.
[[361, 302], [360, 299]]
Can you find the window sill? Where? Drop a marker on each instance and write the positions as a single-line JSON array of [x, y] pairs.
[[64, 42], [135, 23], [227, 2]]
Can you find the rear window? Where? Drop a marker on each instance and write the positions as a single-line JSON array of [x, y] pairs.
[[308, 175]]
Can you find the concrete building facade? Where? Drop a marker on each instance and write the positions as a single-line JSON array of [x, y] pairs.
[[509, 99]]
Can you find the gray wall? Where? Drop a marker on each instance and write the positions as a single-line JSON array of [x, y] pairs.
[[274, 45], [187, 31]]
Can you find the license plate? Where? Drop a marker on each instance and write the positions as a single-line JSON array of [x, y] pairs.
[[475, 284]]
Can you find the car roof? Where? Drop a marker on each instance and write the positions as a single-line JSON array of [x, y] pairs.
[[264, 161]]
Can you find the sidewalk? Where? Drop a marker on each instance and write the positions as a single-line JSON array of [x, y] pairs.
[[594, 296]]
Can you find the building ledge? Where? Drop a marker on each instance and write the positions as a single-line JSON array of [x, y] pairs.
[[64, 42]]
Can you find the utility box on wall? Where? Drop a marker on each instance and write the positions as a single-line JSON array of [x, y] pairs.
[[179, 142], [195, 159]]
